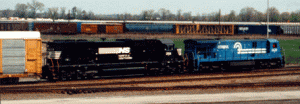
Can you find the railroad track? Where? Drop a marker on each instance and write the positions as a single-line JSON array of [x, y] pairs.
[[262, 77]]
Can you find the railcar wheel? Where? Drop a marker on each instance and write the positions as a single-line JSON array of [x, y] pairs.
[[4, 81], [15, 80]]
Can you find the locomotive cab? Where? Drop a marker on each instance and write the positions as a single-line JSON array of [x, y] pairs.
[[275, 51]]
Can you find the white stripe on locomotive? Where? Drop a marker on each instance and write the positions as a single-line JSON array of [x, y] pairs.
[[115, 50]]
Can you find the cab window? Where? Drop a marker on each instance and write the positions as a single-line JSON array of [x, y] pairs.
[[274, 45]]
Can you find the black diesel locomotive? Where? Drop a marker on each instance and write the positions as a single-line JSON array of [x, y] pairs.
[[81, 59]]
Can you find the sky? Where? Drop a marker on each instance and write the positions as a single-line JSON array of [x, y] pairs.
[[137, 6]]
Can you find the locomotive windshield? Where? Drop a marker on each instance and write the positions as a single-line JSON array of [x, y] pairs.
[[169, 47]]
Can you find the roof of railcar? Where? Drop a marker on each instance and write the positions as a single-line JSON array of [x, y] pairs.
[[199, 41], [20, 35]]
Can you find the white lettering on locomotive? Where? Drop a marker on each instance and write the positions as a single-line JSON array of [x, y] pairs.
[[223, 47], [240, 49], [125, 57], [244, 28], [54, 54], [274, 50], [115, 50]]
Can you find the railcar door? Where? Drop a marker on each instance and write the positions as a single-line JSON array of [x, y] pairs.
[[230, 52], [237, 51], [221, 51], [247, 50]]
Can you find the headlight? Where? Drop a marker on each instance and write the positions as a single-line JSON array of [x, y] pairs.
[[54, 54], [67, 59], [168, 53], [179, 51]]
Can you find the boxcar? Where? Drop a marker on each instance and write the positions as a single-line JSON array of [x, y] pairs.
[[291, 29], [215, 29], [98, 28], [257, 29], [220, 54], [149, 28], [55, 28], [20, 55], [13, 26]]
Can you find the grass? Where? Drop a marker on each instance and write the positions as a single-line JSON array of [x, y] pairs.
[[291, 50]]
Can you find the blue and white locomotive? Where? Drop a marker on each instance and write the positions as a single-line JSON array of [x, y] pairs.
[[214, 54]]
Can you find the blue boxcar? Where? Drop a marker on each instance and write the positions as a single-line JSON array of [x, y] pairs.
[[78, 27], [207, 53], [149, 28], [256, 29]]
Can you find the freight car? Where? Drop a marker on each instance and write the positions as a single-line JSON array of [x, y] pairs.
[[99, 28], [149, 28], [55, 28], [117, 27], [209, 54], [257, 29], [20, 55], [81, 59], [14, 26]]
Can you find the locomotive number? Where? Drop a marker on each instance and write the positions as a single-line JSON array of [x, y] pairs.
[[274, 50], [125, 57]]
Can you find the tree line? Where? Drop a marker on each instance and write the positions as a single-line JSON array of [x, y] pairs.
[[37, 9]]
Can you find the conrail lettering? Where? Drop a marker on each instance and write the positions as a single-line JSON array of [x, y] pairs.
[[240, 49]]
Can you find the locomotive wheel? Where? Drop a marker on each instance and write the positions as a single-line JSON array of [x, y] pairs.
[[63, 75], [252, 68], [222, 68], [71, 75], [269, 65], [211, 69], [180, 70]]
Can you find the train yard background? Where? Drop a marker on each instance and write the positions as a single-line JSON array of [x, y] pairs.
[[56, 24]]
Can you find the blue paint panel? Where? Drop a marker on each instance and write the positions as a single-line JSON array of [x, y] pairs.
[[30, 26], [149, 28], [78, 27]]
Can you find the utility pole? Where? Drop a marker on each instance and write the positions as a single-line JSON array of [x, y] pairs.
[[268, 20], [219, 24], [220, 17]]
